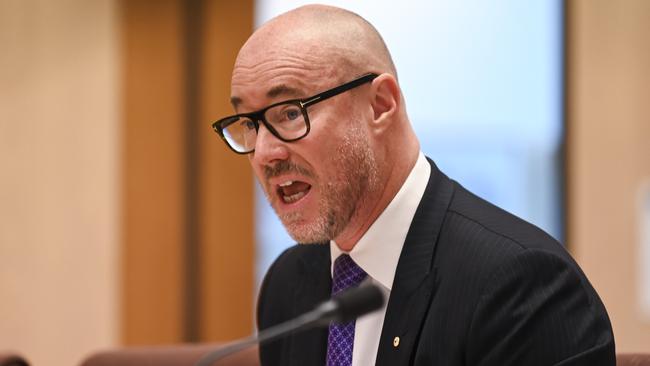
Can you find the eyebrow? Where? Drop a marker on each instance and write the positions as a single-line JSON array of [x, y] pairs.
[[283, 89], [274, 92], [235, 101]]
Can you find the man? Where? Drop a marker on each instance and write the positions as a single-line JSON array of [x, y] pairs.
[[323, 121]]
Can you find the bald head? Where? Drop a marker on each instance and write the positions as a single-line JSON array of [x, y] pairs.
[[339, 42], [358, 148]]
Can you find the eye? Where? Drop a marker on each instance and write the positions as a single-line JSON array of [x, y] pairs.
[[292, 113], [247, 124], [284, 114]]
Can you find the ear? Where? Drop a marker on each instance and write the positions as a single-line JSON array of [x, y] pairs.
[[385, 101]]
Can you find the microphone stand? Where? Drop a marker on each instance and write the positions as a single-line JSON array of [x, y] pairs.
[[317, 317], [344, 307]]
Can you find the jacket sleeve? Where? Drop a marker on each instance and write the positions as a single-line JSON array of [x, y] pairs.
[[539, 309]]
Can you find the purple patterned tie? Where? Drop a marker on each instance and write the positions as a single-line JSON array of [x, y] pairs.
[[341, 335]]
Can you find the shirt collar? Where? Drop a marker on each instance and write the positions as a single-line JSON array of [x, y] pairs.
[[378, 250]]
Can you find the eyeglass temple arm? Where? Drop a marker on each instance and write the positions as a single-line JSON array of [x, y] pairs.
[[338, 90]]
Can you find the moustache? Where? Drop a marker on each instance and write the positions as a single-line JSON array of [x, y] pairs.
[[283, 167]]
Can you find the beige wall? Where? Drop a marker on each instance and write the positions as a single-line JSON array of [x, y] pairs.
[[58, 178], [609, 152]]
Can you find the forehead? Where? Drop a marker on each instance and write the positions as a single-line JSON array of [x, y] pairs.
[[264, 74]]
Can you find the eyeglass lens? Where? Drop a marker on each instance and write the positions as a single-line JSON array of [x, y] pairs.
[[287, 121]]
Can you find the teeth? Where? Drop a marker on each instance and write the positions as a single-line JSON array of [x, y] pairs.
[[293, 198], [286, 184]]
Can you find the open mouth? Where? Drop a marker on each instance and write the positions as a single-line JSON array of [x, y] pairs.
[[292, 191]]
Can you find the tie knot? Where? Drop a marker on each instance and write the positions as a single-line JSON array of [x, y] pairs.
[[346, 274]]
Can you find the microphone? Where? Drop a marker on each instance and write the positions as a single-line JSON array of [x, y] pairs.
[[342, 308]]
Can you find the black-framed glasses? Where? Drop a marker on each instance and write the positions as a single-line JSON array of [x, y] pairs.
[[286, 120]]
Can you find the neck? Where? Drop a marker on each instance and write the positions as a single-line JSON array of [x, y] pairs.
[[366, 215]]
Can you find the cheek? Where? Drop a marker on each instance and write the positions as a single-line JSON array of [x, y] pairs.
[[328, 148], [319, 157], [328, 162], [325, 138]]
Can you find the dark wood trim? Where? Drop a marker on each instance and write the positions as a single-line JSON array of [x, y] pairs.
[[187, 201], [226, 184], [153, 172], [193, 21]]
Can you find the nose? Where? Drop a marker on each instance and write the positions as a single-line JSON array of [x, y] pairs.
[[268, 148]]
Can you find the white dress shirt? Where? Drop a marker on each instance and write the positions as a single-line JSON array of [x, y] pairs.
[[377, 253]]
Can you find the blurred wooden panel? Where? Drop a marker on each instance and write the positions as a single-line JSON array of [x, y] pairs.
[[225, 182], [153, 179], [608, 76], [188, 201]]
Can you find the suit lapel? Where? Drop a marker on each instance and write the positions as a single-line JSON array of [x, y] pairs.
[[313, 287], [414, 283]]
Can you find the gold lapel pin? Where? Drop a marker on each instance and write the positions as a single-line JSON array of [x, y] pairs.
[[396, 342]]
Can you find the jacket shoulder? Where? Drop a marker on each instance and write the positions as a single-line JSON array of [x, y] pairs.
[[508, 280], [478, 237], [296, 264], [470, 212], [295, 283]]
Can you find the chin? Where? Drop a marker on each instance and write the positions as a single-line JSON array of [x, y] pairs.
[[305, 233]]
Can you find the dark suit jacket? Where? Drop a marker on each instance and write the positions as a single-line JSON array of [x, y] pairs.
[[474, 285]]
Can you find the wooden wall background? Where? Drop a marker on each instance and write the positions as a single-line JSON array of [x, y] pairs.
[[608, 146], [187, 202]]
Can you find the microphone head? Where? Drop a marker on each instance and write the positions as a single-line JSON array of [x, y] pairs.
[[357, 301]]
